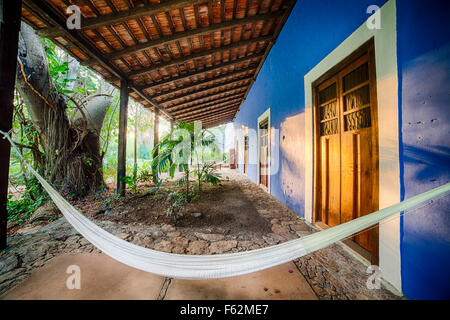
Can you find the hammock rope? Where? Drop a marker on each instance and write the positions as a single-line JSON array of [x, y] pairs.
[[222, 265]]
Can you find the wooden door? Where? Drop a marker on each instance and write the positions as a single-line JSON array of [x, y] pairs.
[[264, 154], [347, 148], [246, 154]]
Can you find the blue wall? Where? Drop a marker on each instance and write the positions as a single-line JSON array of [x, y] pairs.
[[314, 30], [424, 83], [311, 33]]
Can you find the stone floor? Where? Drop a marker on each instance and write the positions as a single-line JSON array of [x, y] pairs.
[[104, 278], [330, 273]]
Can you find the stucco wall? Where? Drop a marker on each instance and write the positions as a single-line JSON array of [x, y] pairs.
[[424, 85], [310, 34]]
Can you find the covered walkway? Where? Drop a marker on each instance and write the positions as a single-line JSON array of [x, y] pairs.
[[330, 273]]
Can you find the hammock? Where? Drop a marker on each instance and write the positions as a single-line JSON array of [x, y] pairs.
[[222, 265]]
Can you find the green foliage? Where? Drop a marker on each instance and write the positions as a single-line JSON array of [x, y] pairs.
[[168, 160], [177, 205], [32, 199], [208, 174], [131, 181], [58, 67]]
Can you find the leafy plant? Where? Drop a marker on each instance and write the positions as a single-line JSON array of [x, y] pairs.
[[131, 181], [33, 197], [208, 174], [163, 156], [167, 155], [177, 205]]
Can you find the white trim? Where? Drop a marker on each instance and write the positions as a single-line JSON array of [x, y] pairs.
[[385, 40], [265, 116]]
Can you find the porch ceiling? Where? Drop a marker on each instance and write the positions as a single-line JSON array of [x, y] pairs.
[[191, 59]]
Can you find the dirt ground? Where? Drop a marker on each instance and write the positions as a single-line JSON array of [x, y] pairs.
[[225, 208], [235, 216]]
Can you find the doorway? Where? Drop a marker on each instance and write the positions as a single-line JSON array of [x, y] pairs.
[[346, 147], [246, 154], [264, 153]]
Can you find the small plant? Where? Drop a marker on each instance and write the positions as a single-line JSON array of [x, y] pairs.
[[131, 181], [176, 207], [111, 199], [207, 174], [145, 176]]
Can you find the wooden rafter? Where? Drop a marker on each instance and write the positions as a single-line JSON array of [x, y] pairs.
[[210, 113], [175, 56], [210, 98], [208, 105], [43, 9], [215, 118], [208, 81], [187, 34], [200, 54], [217, 89], [148, 9], [215, 67]]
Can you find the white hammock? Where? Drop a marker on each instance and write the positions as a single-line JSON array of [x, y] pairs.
[[223, 265]]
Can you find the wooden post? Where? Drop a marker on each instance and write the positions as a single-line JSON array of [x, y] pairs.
[[10, 15], [171, 131], [122, 152], [156, 130]]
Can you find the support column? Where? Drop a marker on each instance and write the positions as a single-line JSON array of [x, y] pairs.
[[122, 152], [10, 15], [156, 130], [171, 131]]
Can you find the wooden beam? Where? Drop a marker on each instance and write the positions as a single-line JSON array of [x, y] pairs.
[[206, 121], [208, 69], [208, 80], [148, 9], [209, 113], [218, 119], [188, 34], [230, 110], [212, 96], [200, 54], [43, 10], [216, 109], [207, 106], [217, 122], [227, 116], [211, 102], [10, 14], [203, 90], [122, 152]]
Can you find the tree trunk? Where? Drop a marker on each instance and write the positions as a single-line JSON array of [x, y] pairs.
[[72, 160]]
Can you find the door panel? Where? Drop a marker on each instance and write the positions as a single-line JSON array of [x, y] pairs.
[[347, 165], [264, 154]]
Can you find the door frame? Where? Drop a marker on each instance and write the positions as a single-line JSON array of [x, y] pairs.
[[262, 118], [388, 130], [330, 77]]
